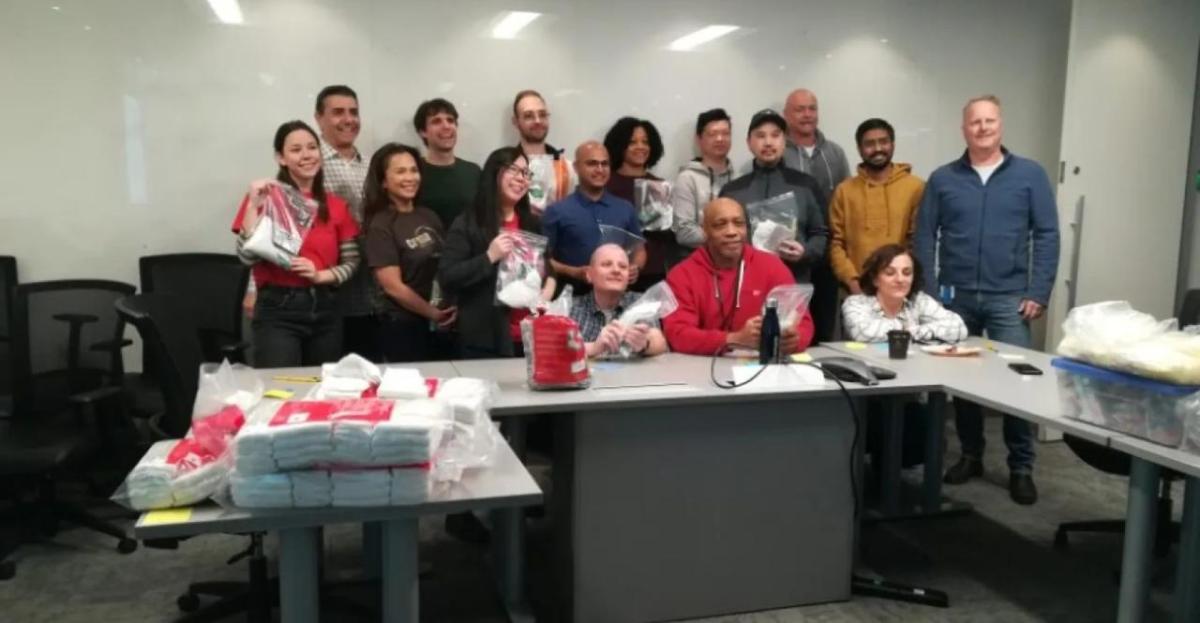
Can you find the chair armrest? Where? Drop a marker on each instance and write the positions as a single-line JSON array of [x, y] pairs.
[[235, 352], [111, 345], [88, 398], [76, 318]]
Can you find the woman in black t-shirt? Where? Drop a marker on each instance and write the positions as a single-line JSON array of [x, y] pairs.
[[403, 244]]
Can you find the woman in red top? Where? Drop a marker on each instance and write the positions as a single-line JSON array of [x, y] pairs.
[[296, 320], [476, 242]]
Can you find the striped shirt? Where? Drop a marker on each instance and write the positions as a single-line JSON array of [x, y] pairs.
[[925, 318]]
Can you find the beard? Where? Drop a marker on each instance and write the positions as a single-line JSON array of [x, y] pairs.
[[871, 164]]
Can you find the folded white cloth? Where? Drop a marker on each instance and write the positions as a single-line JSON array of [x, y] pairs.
[[263, 491], [354, 367], [311, 489], [410, 485], [371, 487], [402, 384], [340, 387], [468, 398]]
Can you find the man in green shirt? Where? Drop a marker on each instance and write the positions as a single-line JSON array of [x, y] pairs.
[[448, 183]]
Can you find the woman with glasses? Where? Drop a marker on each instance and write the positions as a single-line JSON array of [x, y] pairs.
[[477, 241], [296, 318]]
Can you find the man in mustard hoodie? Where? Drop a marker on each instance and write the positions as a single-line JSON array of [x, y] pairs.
[[876, 207]]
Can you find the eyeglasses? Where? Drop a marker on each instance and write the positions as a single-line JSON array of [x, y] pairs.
[[540, 115], [520, 171], [593, 164]]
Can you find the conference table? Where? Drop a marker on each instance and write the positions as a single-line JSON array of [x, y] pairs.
[[986, 380], [675, 498]]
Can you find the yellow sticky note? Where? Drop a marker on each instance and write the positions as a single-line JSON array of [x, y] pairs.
[[801, 358], [169, 515], [856, 346], [281, 394]]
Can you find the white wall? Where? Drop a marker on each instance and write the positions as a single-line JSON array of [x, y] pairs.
[[133, 126]]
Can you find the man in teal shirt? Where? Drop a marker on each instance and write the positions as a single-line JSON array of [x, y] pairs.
[[448, 183]]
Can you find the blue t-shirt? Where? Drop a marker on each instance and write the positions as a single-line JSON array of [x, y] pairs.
[[572, 225]]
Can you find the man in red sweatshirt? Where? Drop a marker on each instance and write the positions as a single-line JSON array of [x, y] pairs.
[[721, 288]]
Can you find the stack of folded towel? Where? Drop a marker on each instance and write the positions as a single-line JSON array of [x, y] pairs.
[[410, 435], [311, 488], [366, 487], [410, 485], [261, 491], [402, 384]]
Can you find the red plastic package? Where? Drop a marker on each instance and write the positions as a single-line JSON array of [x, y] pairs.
[[555, 357]]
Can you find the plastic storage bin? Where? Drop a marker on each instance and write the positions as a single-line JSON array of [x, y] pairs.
[[1123, 402]]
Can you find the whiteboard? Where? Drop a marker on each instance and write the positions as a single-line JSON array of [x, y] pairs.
[[134, 126]]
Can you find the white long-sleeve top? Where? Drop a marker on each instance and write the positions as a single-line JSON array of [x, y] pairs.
[[924, 317]]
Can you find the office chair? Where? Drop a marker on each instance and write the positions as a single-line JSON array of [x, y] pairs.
[[212, 285], [1115, 462], [8, 281], [61, 338], [174, 352]]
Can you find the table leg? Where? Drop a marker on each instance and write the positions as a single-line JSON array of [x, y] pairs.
[[893, 446], [508, 537], [1187, 595], [401, 601], [299, 585], [1139, 540], [935, 448], [372, 549]]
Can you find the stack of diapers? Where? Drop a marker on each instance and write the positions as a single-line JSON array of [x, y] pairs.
[[410, 485], [261, 491], [402, 384], [368, 487], [181, 472], [410, 435]]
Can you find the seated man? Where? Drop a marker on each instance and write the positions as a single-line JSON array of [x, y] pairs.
[[722, 286], [597, 311]]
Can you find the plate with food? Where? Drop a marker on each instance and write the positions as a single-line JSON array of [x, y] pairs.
[[952, 350]]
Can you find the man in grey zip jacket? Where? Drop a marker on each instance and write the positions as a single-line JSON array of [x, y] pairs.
[[810, 152], [770, 178], [701, 180]]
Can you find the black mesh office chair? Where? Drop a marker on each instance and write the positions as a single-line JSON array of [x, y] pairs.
[[62, 343], [212, 285], [8, 281], [1115, 462]]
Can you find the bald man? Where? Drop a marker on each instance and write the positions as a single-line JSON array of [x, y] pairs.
[[571, 224], [721, 289], [989, 223], [597, 311], [807, 148]]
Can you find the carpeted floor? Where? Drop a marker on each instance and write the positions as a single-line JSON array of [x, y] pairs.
[[997, 564]]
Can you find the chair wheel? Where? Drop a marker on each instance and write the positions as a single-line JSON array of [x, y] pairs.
[[188, 602], [1060, 539], [7, 570], [127, 546]]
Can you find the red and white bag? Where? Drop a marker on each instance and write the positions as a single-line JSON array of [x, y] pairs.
[[555, 357]]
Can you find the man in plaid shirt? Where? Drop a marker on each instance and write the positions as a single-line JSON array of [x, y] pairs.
[[596, 312], [345, 171]]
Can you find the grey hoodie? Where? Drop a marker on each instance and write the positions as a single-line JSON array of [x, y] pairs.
[[827, 164], [695, 186]]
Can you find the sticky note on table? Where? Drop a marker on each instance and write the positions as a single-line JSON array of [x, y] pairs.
[[856, 346], [165, 516], [801, 358], [281, 394]]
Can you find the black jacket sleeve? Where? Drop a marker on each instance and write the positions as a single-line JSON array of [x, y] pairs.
[[463, 263]]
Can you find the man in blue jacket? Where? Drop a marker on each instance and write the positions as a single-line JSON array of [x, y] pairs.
[[990, 217]]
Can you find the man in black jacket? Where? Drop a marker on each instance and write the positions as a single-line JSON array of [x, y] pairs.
[[789, 192]]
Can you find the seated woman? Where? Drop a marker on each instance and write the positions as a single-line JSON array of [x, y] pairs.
[[892, 299], [597, 311]]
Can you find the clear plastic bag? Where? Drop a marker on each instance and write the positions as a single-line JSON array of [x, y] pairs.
[[472, 439], [611, 234], [653, 201], [552, 179], [182, 472], [284, 218], [520, 274], [561, 306], [772, 221], [224, 384], [792, 302], [656, 303], [1112, 334]]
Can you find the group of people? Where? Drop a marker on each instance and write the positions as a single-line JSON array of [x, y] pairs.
[[432, 229]]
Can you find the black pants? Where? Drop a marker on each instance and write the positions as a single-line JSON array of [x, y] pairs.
[[824, 305], [403, 338], [360, 335], [296, 327]]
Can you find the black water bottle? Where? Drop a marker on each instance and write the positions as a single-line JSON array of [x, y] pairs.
[[768, 337]]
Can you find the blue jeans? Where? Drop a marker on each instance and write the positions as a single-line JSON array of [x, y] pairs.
[[998, 316], [296, 327]]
